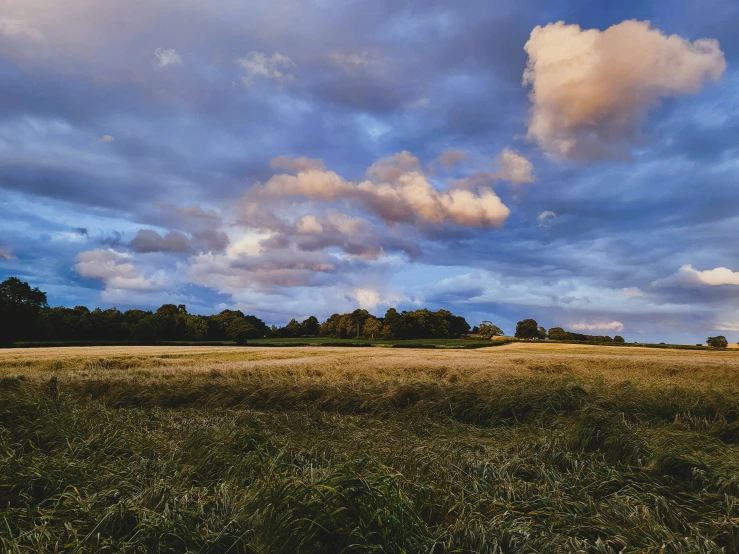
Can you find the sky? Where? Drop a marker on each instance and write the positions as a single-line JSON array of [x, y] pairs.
[[572, 161]]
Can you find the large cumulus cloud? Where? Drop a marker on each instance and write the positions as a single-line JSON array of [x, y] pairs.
[[591, 89]]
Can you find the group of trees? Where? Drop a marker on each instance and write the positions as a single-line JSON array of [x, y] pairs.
[[25, 315], [417, 324], [557, 333], [530, 329], [168, 323]]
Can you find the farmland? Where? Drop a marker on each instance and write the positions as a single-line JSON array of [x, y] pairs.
[[517, 448]]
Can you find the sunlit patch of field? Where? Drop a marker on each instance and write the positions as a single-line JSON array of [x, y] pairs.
[[528, 447]]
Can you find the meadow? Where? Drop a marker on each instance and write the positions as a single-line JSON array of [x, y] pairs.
[[520, 448]]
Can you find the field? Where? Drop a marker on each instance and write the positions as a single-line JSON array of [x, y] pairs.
[[521, 448]]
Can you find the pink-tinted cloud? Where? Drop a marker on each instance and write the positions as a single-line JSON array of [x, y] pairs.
[[591, 89]]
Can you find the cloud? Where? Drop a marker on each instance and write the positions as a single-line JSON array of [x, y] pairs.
[[356, 237], [19, 28], [353, 62], [370, 299], [296, 165], [107, 139], [591, 326], [687, 275], [258, 65], [591, 89], [396, 191], [451, 157], [147, 241], [6, 254], [115, 269], [726, 326], [545, 219], [513, 167], [165, 57], [176, 242], [633, 292]]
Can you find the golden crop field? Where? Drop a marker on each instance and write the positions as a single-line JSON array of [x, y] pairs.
[[528, 447]]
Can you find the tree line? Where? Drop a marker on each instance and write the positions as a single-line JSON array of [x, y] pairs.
[[26, 316]]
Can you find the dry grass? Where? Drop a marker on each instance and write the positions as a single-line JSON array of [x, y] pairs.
[[521, 448], [695, 369]]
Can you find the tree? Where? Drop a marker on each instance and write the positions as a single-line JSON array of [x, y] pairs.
[[20, 306], [541, 333], [151, 329], [717, 342], [527, 329], [372, 328], [196, 327], [358, 318], [619, 339], [309, 327], [488, 330], [240, 331], [292, 329], [395, 324], [557, 333]]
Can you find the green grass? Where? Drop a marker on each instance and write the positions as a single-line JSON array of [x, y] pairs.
[[243, 460], [298, 341]]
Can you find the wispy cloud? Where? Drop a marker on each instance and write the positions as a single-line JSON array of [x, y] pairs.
[[597, 326], [165, 57], [258, 65]]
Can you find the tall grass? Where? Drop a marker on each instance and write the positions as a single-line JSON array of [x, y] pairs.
[[516, 453]]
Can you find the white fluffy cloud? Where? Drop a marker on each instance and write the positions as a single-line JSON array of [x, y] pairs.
[[396, 191], [597, 326], [115, 269], [591, 89], [687, 275], [165, 57], [257, 65]]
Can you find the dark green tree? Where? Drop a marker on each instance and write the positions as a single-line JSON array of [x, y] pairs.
[[358, 318], [240, 331], [292, 329], [717, 342], [20, 306], [557, 333], [619, 339], [309, 327], [488, 330], [541, 333], [527, 329], [395, 324]]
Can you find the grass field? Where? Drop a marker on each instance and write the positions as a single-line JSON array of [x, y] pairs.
[[515, 449]]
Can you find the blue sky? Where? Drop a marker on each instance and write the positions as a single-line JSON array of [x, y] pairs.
[[571, 161]]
